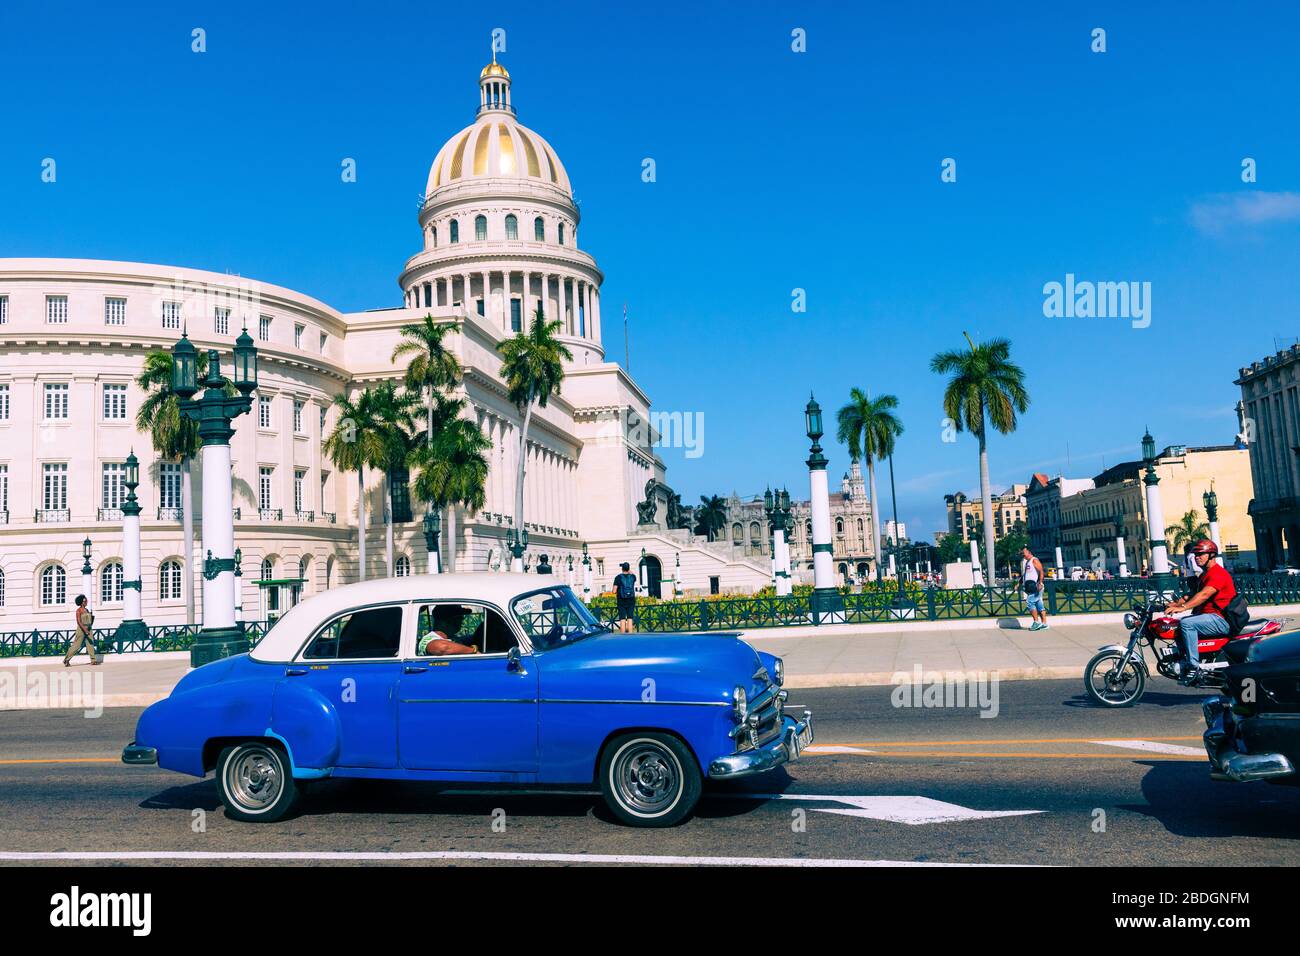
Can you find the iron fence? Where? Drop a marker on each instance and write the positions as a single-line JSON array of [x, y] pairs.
[[158, 638]]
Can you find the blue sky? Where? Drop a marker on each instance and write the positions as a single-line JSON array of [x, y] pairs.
[[776, 170]]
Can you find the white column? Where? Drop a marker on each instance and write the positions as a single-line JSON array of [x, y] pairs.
[[566, 325], [823, 572], [1156, 531], [975, 562], [546, 295], [218, 536], [131, 567], [1121, 557], [523, 301], [1060, 563], [780, 571], [587, 330], [595, 324]]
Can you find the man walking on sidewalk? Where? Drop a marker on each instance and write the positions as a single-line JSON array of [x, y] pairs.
[[1031, 582], [82, 635]]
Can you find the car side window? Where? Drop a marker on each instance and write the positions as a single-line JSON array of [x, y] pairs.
[[374, 632], [468, 625]]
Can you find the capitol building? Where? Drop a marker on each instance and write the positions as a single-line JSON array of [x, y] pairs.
[[499, 235]]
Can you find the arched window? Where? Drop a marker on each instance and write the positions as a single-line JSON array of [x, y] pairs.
[[329, 572], [480, 228], [737, 533], [2, 589], [54, 586], [304, 569], [859, 527], [539, 229], [455, 231], [110, 583], [755, 535], [169, 581], [268, 569], [403, 569], [433, 235], [839, 525], [809, 530], [512, 227], [561, 233]]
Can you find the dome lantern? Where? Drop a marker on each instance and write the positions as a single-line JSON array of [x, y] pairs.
[[494, 88]]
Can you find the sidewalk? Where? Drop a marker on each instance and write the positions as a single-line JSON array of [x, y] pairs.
[[839, 655]]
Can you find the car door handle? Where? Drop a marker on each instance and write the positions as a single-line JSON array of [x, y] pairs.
[[414, 669], [295, 671]]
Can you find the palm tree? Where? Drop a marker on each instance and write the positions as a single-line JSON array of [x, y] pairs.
[[431, 371], [357, 442], [1189, 528], [986, 386], [453, 467], [532, 365], [869, 426], [173, 436], [393, 415], [711, 515]]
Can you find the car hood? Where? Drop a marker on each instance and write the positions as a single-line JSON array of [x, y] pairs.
[[696, 667]]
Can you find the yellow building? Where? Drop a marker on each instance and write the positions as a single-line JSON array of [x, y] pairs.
[[1009, 509], [1088, 518]]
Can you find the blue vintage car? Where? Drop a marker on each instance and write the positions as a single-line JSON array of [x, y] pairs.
[[486, 679]]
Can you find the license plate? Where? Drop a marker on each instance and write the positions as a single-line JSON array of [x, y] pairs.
[[802, 740]]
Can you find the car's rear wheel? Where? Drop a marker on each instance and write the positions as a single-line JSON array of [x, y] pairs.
[[256, 782], [649, 779]]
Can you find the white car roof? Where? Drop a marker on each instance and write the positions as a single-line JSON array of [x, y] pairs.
[[300, 622]]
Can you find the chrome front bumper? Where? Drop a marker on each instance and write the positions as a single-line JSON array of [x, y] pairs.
[[1227, 763], [133, 753], [770, 755]]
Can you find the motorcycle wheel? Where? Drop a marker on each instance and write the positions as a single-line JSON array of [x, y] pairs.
[[1110, 687]]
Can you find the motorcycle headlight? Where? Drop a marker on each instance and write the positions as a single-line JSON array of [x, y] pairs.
[[739, 704], [778, 672], [1130, 620]]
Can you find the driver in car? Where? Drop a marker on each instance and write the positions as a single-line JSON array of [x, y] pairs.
[[444, 628]]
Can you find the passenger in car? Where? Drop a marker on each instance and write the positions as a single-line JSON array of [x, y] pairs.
[[446, 624]]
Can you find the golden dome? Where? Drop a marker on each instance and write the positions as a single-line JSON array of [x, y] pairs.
[[494, 69]]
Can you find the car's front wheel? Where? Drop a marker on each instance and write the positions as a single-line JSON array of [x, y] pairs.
[[649, 779], [256, 782]]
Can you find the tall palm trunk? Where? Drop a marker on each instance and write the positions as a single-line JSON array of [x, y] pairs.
[[361, 523], [875, 516], [517, 564], [388, 521], [187, 530], [986, 502], [449, 540]]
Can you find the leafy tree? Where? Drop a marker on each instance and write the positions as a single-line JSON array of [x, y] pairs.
[[356, 443], [1188, 528], [985, 387], [869, 426], [710, 516], [1009, 548], [532, 366], [453, 467], [952, 548], [394, 413]]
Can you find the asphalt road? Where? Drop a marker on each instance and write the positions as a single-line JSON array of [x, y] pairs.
[[63, 789]]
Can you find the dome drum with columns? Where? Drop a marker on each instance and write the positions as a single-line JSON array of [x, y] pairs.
[[76, 333]]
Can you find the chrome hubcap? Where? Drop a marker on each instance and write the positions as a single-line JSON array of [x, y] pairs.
[[253, 779], [647, 777]]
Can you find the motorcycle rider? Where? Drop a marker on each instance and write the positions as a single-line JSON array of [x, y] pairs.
[[1213, 588]]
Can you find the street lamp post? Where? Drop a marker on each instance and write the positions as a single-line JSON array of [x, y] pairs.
[[677, 576], [1120, 556], [586, 573], [901, 603], [1155, 518], [132, 627], [214, 411], [239, 587], [517, 548], [568, 571], [87, 572], [432, 527], [777, 506], [1211, 501], [825, 597]]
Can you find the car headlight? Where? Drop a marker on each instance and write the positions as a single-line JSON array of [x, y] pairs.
[[739, 704], [778, 672]]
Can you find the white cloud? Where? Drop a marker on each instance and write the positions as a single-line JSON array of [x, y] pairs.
[[1216, 213]]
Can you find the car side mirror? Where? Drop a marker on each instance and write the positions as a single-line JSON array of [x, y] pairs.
[[515, 661]]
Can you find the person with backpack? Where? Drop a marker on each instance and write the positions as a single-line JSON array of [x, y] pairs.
[[625, 596], [1218, 608], [1031, 582]]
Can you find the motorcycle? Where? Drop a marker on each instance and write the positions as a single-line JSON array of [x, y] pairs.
[[1117, 675]]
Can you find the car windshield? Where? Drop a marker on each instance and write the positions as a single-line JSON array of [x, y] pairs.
[[554, 618]]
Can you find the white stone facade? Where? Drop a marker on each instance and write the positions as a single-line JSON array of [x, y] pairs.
[[74, 334]]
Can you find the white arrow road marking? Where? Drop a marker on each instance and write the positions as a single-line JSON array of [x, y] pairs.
[[834, 749], [913, 811], [1153, 746]]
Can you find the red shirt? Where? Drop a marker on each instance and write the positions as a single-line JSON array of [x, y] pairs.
[[1225, 590]]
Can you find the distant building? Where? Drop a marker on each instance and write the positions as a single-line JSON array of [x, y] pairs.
[[1270, 411], [1008, 508], [895, 531], [1088, 517], [1043, 506]]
